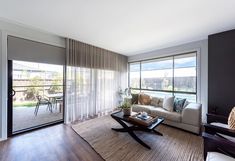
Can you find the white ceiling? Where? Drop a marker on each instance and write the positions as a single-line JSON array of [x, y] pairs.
[[125, 26]]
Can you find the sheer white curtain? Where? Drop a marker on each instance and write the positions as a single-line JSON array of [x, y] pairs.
[[93, 77]]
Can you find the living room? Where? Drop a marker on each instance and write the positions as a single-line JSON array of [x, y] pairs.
[[126, 80]]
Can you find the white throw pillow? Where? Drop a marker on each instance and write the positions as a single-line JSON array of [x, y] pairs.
[[168, 103]]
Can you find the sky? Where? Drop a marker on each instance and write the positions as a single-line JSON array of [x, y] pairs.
[[157, 68]]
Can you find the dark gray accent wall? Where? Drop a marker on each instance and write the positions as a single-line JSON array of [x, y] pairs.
[[27, 50], [221, 72]]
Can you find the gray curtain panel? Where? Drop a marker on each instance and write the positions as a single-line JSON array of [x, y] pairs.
[[88, 56], [93, 78]]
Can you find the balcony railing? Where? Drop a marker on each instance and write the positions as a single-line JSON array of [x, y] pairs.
[[25, 96]]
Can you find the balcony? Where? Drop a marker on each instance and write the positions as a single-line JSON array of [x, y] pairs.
[[25, 101]]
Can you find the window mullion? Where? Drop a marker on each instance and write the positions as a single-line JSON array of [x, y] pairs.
[[140, 76], [173, 78]]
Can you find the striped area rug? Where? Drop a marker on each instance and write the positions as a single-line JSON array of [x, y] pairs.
[[174, 145]]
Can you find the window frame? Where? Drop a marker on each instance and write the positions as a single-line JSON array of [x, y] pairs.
[[173, 92]]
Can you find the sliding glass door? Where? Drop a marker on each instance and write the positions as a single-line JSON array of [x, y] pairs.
[[36, 95]]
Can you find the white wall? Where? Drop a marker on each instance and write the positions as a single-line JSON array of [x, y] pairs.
[[22, 31], [3, 87], [7, 28], [202, 49], [0, 82]]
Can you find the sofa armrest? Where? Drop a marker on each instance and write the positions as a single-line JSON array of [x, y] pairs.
[[212, 129], [191, 114], [216, 118]]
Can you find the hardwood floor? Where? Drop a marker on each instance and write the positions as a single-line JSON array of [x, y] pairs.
[[55, 143]]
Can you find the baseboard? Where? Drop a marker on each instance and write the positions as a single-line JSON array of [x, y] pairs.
[[1, 139]]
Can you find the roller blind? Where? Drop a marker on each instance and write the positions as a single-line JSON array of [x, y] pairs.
[[27, 50]]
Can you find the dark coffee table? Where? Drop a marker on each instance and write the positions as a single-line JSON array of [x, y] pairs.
[[123, 120]]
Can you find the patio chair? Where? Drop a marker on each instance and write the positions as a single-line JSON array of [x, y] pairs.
[[60, 101], [42, 101]]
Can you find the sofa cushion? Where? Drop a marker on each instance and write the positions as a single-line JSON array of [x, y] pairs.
[[173, 116], [160, 103], [144, 99], [156, 101], [214, 156], [168, 103], [142, 108]]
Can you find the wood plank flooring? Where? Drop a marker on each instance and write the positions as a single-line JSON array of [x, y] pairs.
[[55, 143]]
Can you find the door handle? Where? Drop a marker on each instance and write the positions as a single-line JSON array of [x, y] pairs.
[[13, 93]]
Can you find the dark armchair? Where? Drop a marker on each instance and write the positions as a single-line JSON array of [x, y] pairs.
[[218, 137]]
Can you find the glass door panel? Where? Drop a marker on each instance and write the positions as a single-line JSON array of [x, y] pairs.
[[38, 95]]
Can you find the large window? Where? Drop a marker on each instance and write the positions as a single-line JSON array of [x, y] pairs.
[[157, 74], [174, 75], [134, 77]]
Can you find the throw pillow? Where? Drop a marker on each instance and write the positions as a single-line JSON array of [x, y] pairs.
[[186, 103], [179, 104], [168, 103], [155, 101], [144, 99], [231, 119], [134, 99]]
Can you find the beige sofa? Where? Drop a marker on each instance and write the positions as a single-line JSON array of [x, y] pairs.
[[189, 119]]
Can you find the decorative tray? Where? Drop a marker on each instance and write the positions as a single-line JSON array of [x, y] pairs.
[[145, 121]]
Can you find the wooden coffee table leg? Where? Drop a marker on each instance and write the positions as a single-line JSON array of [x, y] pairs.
[[120, 129], [130, 132], [158, 133], [138, 139]]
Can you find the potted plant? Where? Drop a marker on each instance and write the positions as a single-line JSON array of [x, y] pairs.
[[126, 108]]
